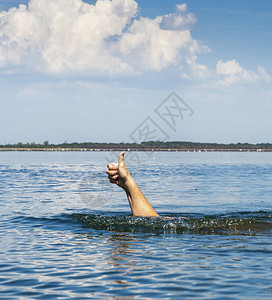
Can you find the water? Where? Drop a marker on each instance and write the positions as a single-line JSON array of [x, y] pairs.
[[67, 233]]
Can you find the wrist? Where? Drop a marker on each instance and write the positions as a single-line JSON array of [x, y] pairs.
[[129, 182]]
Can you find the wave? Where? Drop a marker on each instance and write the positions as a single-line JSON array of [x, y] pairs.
[[242, 223], [231, 223]]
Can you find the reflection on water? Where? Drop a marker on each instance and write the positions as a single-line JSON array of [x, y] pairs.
[[120, 248], [121, 258]]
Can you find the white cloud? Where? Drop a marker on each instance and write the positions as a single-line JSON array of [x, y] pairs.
[[179, 20], [228, 68], [231, 72], [194, 70], [263, 74], [149, 47], [60, 36]]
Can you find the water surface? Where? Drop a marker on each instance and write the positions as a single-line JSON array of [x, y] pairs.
[[66, 233]]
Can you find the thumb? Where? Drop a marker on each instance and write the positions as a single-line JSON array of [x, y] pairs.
[[121, 159]]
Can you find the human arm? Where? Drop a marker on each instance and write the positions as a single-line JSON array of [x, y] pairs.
[[119, 174]]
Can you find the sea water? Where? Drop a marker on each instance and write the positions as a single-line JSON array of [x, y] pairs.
[[67, 233]]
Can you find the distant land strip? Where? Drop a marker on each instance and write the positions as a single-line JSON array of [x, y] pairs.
[[144, 146]]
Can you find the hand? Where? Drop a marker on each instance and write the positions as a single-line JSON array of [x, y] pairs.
[[118, 172]]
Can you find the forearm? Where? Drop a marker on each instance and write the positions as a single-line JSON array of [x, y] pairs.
[[119, 174], [137, 201]]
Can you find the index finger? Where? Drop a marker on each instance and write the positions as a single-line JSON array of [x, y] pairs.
[[112, 166]]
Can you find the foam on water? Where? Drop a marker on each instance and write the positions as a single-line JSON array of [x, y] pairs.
[[175, 223]]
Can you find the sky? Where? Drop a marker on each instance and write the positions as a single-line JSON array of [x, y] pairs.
[[134, 71]]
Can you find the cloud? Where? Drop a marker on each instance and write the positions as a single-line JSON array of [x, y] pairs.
[[107, 38], [148, 47], [231, 72], [179, 20]]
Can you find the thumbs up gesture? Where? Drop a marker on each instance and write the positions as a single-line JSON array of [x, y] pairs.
[[118, 172]]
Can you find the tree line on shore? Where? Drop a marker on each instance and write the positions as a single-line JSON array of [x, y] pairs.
[[149, 145]]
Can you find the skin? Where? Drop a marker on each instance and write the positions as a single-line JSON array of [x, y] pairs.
[[119, 174]]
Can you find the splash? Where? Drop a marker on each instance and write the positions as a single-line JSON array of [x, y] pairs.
[[176, 224]]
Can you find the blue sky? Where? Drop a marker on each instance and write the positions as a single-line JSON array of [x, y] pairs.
[[96, 70]]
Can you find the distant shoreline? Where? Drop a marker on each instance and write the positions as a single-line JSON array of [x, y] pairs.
[[133, 150], [159, 146]]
